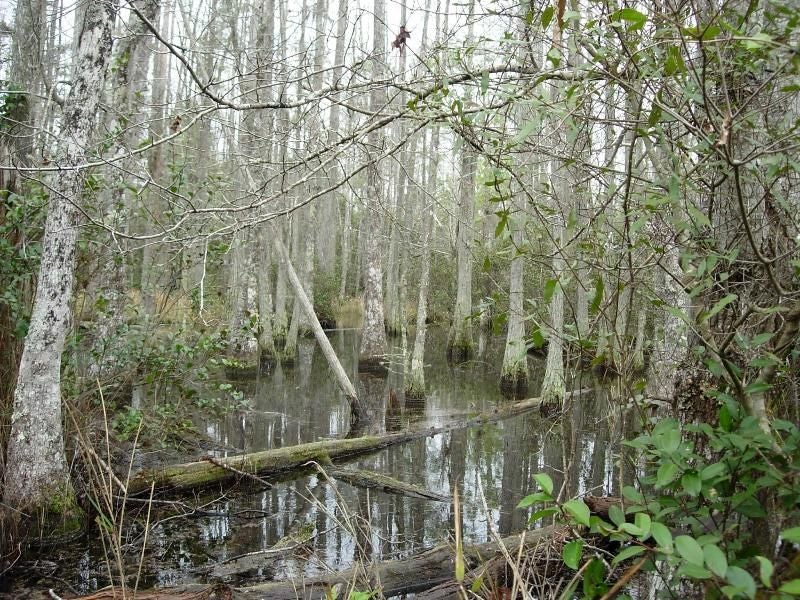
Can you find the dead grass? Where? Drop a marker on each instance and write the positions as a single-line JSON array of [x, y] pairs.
[[349, 312]]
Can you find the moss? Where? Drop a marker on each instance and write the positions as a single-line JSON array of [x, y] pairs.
[[58, 517], [514, 380], [414, 387]]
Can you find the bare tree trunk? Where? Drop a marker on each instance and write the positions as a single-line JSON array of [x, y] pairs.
[[151, 278], [460, 344], [514, 373], [373, 333], [553, 385], [129, 86], [36, 472], [415, 377]]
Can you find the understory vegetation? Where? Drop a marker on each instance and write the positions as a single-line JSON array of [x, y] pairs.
[[592, 205]]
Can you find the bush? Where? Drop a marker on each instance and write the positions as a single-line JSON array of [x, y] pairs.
[[702, 514]]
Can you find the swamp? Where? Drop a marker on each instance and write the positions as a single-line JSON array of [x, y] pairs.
[[399, 298]]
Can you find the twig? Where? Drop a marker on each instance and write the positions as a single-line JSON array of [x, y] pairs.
[[626, 577], [232, 469]]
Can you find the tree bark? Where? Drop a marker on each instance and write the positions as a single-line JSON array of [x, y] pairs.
[[36, 470], [373, 333], [460, 345]]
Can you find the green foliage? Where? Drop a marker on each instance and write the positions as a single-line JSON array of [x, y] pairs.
[[127, 422], [21, 220], [700, 506], [326, 295], [13, 106]]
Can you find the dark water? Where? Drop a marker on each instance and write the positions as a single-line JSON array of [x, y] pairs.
[[492, 467]]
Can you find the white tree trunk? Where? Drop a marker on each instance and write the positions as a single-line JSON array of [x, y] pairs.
[[514, 374], [36, 470], [460, 345], [415, 377], [373, 333]]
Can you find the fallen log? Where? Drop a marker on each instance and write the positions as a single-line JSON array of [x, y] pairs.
[[394, 577], [384, 483], [186, 477]]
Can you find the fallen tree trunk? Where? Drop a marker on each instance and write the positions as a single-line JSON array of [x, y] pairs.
[[390, 485], [186, 477], [392, 578], [395, 577]]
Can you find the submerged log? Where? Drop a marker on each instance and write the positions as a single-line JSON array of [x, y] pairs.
[[186, 477], [384, 483]]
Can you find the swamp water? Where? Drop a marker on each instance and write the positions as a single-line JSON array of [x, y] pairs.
[[492, 466]]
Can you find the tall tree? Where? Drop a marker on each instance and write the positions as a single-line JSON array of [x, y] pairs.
[[36, 472], [373, 333]]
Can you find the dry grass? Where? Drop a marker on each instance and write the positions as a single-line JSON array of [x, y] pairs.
[[171, 308], [349, 312]]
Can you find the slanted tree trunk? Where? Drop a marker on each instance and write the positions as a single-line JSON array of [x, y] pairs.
[[36, 470], [330, 355]]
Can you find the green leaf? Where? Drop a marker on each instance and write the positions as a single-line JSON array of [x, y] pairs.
[[715, 560], [547, 16], [761, 338], [757, 387], [501, 223], [741, 579], [750, 507], [718, 307], [634, 17], [689, 549], [627, 553], [643, 522], [791, 587], [666, 474], [542, 514], [632, 494], [691, 483], [545, 482], [598, 295], [572, 554], [669, 441], [674, 61], [578, 510], [693, 571], [791, 535], [712, 471], [594, 585], [699, 219], [532, 499], [484, 82], [631, 529], [549, 289], [616, 515], [662, 535], [765, 571]]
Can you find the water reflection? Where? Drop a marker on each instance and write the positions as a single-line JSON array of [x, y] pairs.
[[580, 452]]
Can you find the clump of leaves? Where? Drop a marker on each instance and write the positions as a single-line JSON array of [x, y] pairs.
[[696, 516]]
